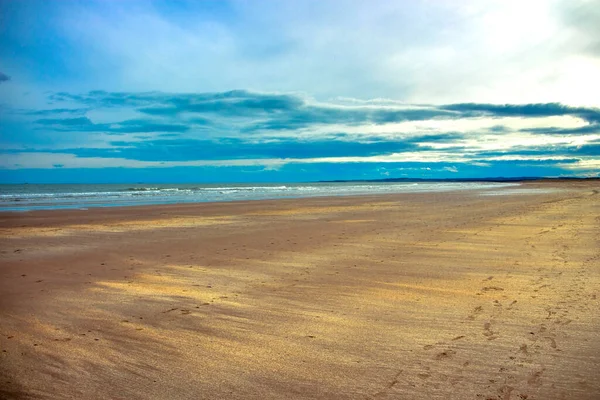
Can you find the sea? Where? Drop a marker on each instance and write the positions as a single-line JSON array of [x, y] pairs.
[[28, 197]]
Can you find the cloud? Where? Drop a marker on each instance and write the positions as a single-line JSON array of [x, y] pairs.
[[229, 103], [176, 149], [592, 149], [4, 77], [323, 83], [414, 52], [275, 111], [525, 110], [581, 18], [58, 111], [242, 127], [73, 172], [84, 124], [279, 112], [588, 129], [80, 122]]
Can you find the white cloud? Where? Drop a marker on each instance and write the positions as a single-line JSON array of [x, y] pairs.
[[590, 164], [462, 125], [501, 51]]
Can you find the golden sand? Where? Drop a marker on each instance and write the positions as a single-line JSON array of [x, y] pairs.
[[416, 296]]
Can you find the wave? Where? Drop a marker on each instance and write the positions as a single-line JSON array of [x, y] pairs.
[[204, 188], [140, 191], [94, 195], [143, 189]]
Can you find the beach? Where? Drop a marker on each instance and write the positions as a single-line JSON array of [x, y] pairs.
[[449, 295]]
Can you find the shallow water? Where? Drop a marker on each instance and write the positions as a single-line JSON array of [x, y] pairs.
[[27, 197], [520, 191]]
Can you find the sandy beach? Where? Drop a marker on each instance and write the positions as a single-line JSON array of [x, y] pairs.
[[459, 295]]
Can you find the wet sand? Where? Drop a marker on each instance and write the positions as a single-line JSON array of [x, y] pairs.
[[416, 296]]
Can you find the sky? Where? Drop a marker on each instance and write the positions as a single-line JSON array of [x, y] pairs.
[[298, 90]]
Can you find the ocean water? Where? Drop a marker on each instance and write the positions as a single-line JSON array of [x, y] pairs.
[[28, 197]]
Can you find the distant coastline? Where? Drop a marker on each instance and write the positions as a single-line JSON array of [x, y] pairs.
[[498, 179]]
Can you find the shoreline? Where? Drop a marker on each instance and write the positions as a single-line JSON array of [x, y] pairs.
[[411, 295], [196, 195], [9, 219], [529, 184], [534, 186]]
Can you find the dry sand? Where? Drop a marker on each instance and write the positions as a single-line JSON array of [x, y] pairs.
[[416, 296]]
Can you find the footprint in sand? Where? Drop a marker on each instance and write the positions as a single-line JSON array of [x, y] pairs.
[[477, 310], [424, 375], [563, 321], [552, 341], [492, 288], [535, 379], [444, 355], [487, 331], [505, 391], [523, 348]]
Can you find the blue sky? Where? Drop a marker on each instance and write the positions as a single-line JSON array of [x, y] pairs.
[[239, 91]]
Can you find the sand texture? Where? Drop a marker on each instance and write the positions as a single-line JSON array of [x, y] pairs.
[[416, 296]]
